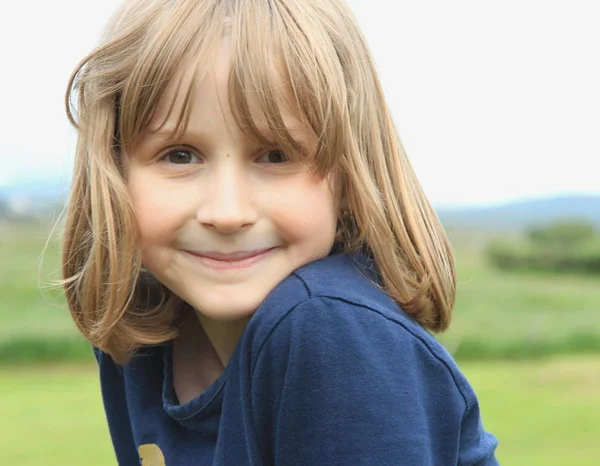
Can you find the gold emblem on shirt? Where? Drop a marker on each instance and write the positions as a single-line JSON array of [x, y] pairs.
[[151, 455]]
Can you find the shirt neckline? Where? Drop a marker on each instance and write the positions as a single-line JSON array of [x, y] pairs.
[[197, 408]]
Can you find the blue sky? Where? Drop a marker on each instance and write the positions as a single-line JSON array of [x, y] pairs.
[[493, 100]]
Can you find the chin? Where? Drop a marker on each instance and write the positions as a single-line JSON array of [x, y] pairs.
[[228, 309]]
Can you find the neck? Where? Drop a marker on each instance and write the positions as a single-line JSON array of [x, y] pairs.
[[223, 335]]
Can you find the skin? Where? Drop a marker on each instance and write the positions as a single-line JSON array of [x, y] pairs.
[[216, 191]]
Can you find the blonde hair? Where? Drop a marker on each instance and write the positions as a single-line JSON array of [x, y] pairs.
[[115, 304]]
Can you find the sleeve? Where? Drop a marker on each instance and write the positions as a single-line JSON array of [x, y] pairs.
[[112, 386], [336, 383]]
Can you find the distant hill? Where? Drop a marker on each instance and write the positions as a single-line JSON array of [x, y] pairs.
[[515, 216]]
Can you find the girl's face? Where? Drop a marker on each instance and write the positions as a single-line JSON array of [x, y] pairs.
[[223, 219]]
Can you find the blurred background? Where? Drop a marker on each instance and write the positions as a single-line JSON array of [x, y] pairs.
[[497, 106]]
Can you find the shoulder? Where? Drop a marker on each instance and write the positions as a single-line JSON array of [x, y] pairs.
[[331, 316], [343, 280], [145, 366], [342, 375]]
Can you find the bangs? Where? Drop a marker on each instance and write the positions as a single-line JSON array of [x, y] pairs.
[[284, 61], [171, 37]]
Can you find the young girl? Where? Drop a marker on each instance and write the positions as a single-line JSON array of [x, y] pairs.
[[248, 250]]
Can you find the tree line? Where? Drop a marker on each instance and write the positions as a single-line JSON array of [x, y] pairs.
[[563, 246]]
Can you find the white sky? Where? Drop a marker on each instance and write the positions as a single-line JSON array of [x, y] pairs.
[[493, 100]]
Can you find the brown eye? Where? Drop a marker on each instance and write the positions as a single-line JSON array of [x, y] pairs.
[[273, 156], [181, 157]]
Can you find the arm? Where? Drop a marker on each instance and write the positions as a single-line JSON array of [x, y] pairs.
[[339, 384], [115, 406], [477, 447]]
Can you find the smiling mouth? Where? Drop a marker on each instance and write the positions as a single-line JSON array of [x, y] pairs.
[[236, 260]]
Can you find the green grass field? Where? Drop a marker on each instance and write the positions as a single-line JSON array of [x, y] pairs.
[[28, 307], [545, 413], [521, 314]]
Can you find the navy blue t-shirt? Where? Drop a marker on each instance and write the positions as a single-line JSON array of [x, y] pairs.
[[329, 371]]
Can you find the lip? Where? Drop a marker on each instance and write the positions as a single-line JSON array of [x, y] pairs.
[[234, 260]]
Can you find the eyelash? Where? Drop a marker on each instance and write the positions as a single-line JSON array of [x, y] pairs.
[[166, 156]]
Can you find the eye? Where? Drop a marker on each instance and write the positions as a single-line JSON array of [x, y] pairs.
[[273, 156], [181, 157]]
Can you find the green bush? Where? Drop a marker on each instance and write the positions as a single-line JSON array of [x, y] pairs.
[[37, 349], [561, 247], [563, 233]]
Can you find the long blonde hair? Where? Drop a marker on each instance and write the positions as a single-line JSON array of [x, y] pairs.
[[112, 95]]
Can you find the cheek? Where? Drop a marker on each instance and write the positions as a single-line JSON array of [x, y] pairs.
[[306, 211], [156, 213]]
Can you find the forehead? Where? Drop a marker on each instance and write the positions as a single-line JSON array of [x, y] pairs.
[[203, 92]]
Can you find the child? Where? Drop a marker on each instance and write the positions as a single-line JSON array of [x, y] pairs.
[[248, 249]]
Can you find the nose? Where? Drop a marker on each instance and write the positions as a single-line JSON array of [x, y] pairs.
[[228, 205]]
